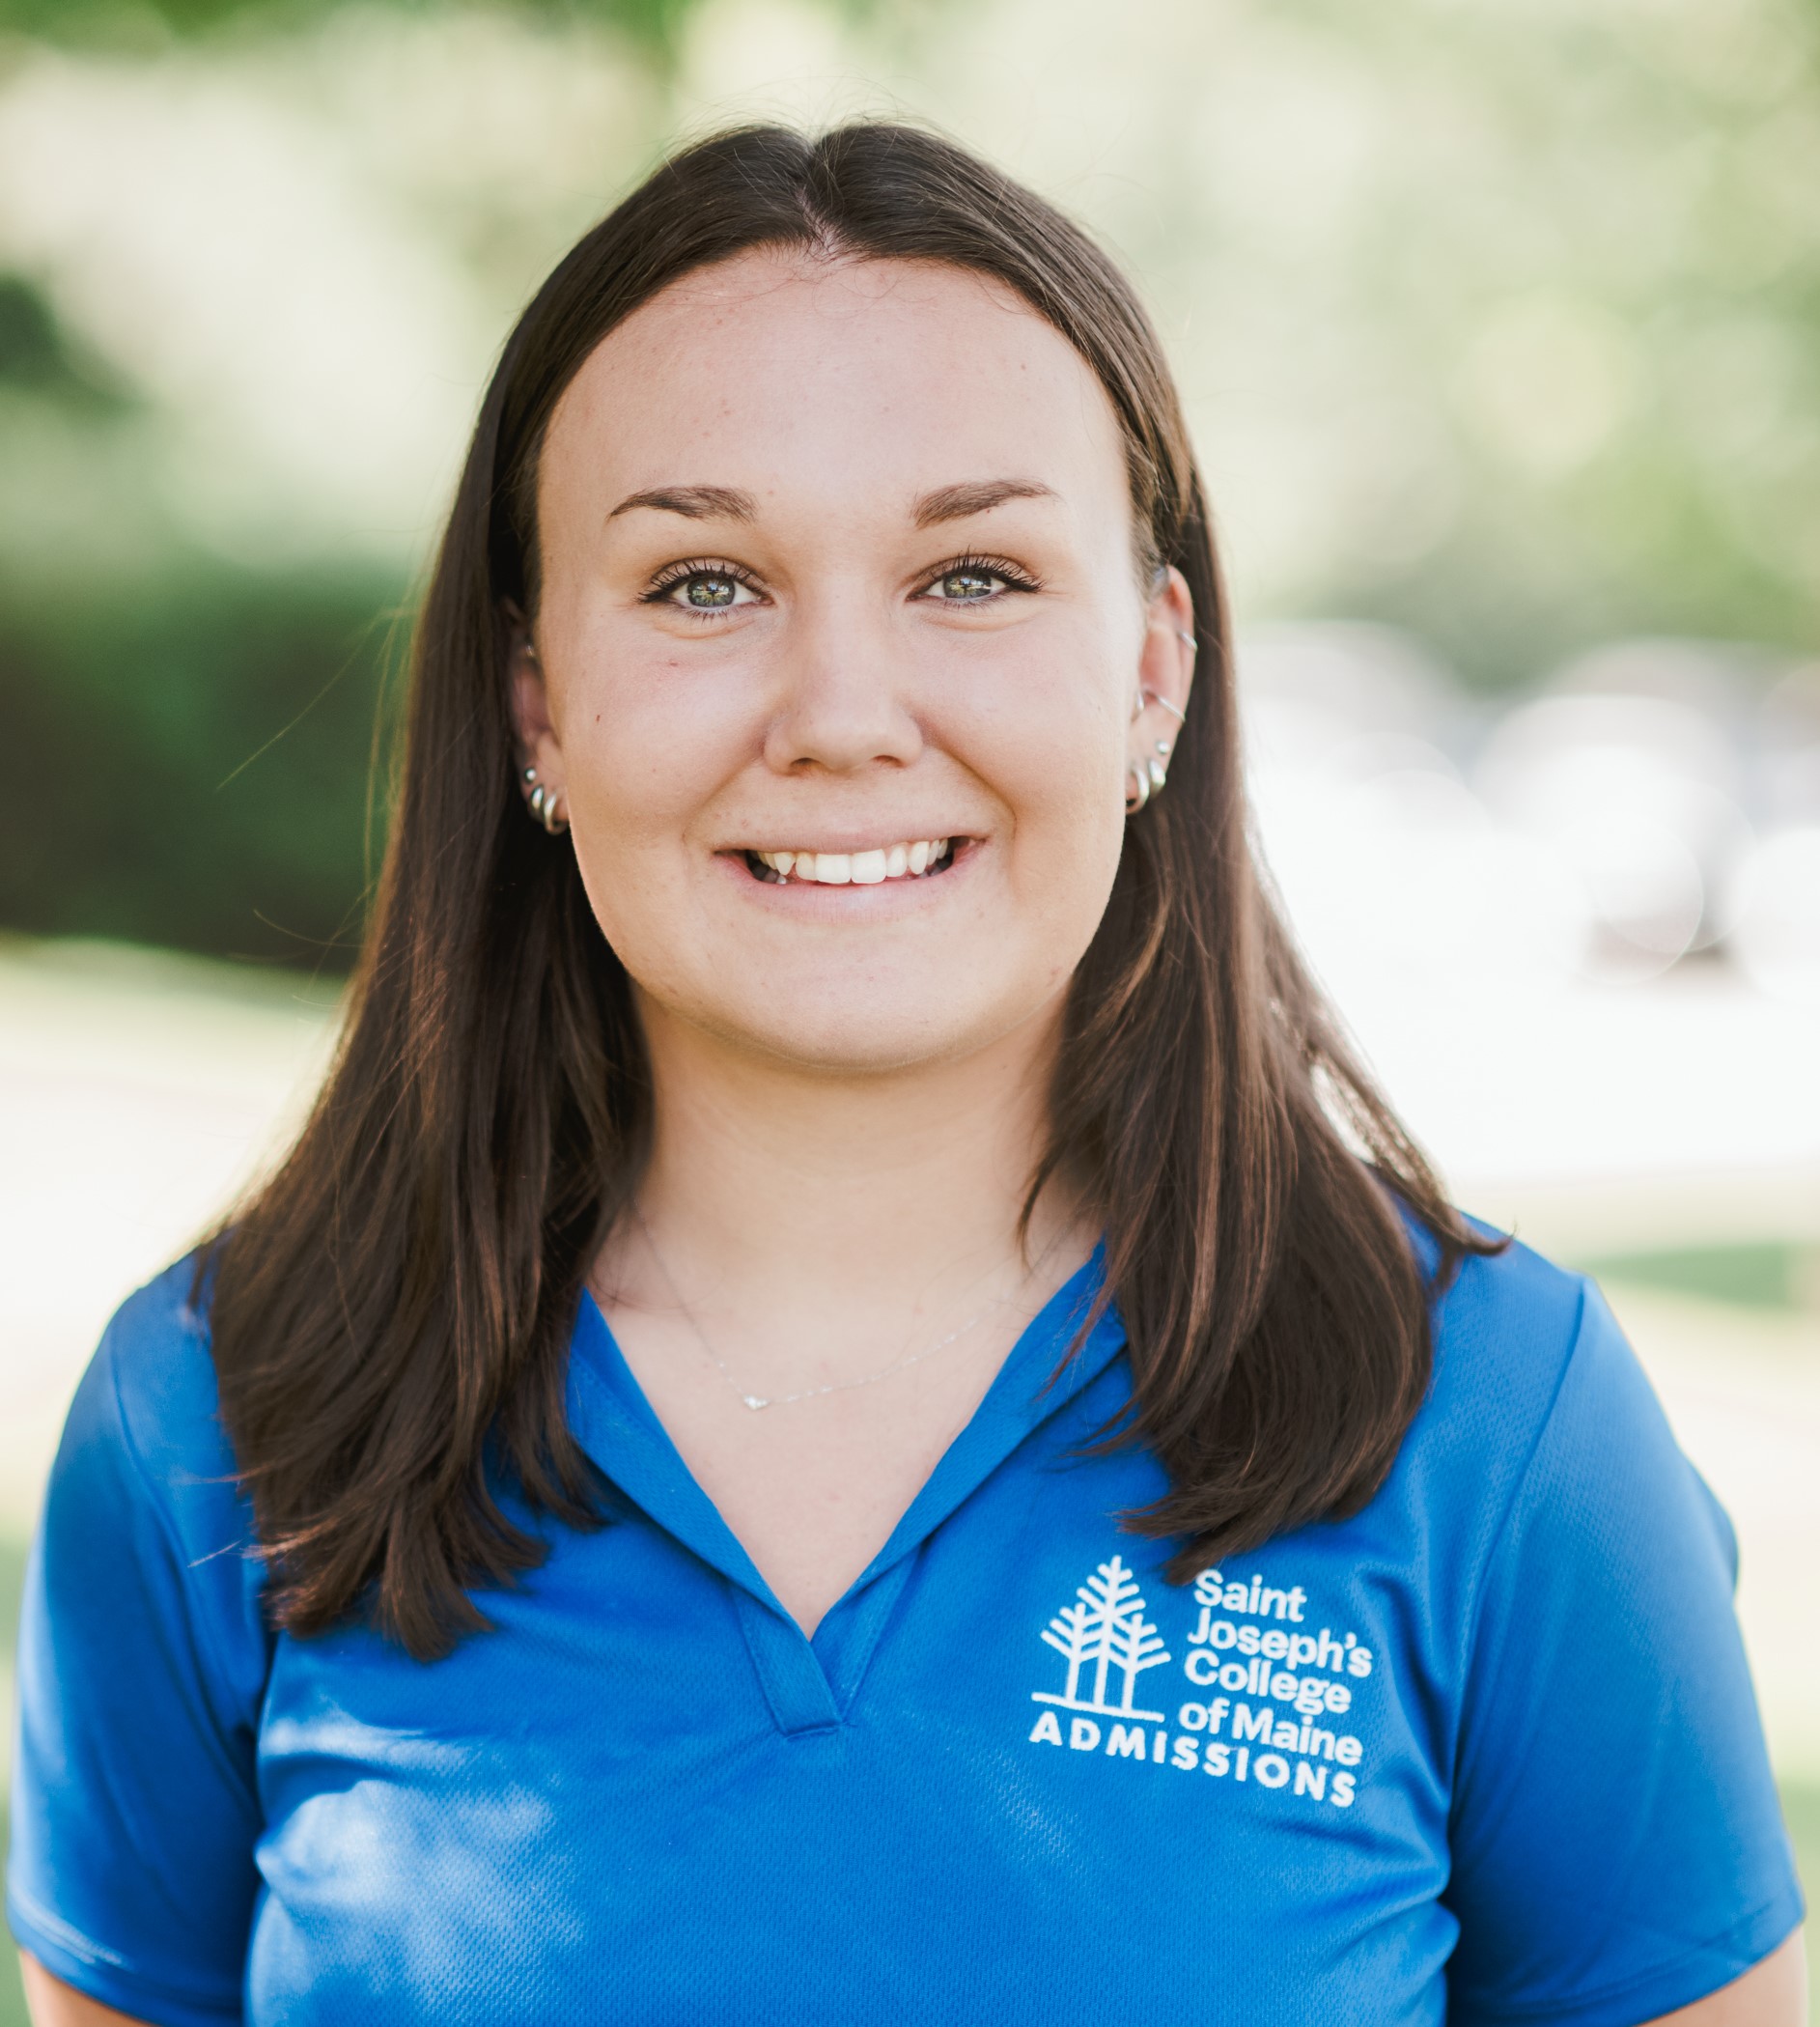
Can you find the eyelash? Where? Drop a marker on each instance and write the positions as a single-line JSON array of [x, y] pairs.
[[674, 573], [1014, 578]]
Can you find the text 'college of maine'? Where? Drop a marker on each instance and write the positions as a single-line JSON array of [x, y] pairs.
[[1108, 1646]]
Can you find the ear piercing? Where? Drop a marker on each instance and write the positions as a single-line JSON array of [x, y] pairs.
[[1144, 778], [541, 801], [1147, 776]]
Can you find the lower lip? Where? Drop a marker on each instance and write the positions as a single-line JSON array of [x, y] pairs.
[[825, 900]]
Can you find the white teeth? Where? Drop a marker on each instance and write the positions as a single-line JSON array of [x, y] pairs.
[[868, 868]]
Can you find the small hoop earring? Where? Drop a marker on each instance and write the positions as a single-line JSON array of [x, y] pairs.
[[1146, 778], [1150, 696], [1189, 638], [542, 801]]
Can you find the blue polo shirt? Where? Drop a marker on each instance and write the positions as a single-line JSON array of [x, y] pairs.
[[1486, 1751]]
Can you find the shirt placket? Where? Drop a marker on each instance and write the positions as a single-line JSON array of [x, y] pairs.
[[809, 1685]]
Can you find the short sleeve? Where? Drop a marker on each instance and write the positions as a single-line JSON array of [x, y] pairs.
[[1618, 1848], [141, 1663]]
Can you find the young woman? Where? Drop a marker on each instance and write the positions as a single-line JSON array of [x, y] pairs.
[[849, 1408]]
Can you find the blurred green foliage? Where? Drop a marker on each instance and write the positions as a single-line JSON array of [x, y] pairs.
[[183, 759], [1764, 1274], [184, 740], [138, 24], [1499, 324], [38, 359]]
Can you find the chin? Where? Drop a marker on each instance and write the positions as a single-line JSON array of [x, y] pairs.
[[861, 1042], [845, 1034]]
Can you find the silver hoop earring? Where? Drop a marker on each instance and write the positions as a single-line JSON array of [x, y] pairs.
[[1150, 696], [542, 801], [1146, 778]]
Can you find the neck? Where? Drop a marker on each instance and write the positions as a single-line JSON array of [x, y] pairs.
[[853, 1201]]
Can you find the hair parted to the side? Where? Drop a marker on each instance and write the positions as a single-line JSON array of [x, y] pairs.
[[391, 1312]]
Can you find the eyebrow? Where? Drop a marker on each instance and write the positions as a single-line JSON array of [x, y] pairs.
[[974, 497], [692, 502], [727, 503]]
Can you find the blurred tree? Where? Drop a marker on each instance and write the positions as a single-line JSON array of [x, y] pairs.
[[1498, 323], [132, 24], [40, 360], [182, 759]]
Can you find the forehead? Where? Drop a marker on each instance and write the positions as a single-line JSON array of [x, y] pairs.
[[782, 369]]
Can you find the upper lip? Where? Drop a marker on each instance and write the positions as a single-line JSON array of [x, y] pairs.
[[849, 842]]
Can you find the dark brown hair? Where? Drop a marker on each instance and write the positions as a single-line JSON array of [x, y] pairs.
[[391, 1312]]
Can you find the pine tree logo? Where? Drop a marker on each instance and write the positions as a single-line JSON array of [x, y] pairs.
[[1104, 1630]]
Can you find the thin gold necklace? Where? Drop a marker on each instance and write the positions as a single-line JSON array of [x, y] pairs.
[[758, 1401]]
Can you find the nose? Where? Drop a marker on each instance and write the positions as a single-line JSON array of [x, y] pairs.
[[843, 705]]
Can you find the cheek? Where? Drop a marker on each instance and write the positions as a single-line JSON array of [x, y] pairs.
[[645, 739], [1072, 883], [1063, 785], [1059, 759], [636, 780]]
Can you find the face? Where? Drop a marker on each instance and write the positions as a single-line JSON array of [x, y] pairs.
[[838, 654]]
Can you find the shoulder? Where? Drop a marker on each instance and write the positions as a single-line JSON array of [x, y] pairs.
[[1614, 1846], [1534, 1391], [1506, 1325], [144, 1430], [145, 1538], [143, 1663]]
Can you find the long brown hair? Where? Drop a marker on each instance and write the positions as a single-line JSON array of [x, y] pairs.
[[391, 1312]]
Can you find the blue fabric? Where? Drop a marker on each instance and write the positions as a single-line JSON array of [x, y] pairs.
[[1485, 1752]]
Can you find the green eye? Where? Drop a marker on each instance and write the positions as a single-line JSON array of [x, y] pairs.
[[966, 585], [705, 586]]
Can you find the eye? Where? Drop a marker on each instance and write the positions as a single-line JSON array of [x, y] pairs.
[[976, 581], [704, 588], [966, 585]]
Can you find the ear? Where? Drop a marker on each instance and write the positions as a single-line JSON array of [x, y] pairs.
[[529, 691], [1166, 668]]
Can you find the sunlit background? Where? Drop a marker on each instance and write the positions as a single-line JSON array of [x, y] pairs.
[[1498, 323]]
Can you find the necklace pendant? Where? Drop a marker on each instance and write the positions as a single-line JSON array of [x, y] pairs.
[[754, 1402]]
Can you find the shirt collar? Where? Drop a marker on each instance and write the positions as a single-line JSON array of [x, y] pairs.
[[616, 1425]]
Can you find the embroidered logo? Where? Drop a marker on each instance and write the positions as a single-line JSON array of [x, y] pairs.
[[1104, 1631], [1289, 1688]]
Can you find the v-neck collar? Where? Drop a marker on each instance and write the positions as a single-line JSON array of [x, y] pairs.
[[618, 1427]]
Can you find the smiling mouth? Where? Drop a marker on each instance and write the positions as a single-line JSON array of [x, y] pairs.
[[916, 858]]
